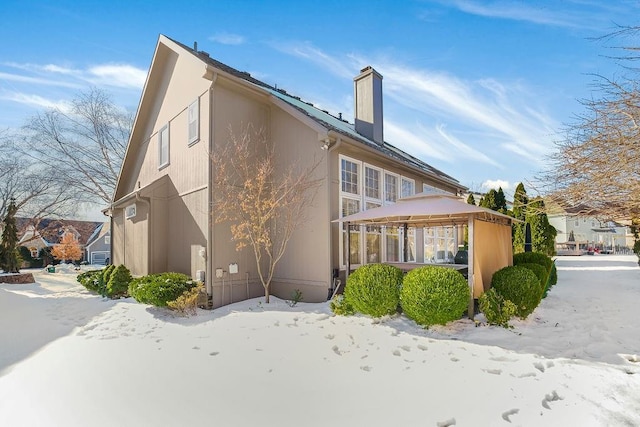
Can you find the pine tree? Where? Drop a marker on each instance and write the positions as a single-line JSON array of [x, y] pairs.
[[471, 200], [9, 258], [520, 201], [489, 200], [543, 234], [501, 201]]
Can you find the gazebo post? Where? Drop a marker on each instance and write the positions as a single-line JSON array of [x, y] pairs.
[[348, 250], [470, 258], [405, 249]]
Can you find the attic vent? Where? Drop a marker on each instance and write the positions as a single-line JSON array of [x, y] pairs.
[[130, 211]]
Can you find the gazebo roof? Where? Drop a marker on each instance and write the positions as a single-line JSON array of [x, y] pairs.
[[426, 210]]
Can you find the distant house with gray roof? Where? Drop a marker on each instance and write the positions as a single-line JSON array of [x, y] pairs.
[[161, 211]]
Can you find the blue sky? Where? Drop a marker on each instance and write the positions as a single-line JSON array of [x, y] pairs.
[[478, 89]]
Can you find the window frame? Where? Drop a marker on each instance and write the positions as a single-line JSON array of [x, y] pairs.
[[162, 163], [193, 116], [409, 181]]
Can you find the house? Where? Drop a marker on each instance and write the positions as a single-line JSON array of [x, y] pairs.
[[45, 233], [161, 217], [98, 247], [579, 234]]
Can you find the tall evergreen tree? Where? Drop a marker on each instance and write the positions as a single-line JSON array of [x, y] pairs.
[[543, 234], [471, 200], [9, 259], [501, 201], [489, 200], [520, 201]]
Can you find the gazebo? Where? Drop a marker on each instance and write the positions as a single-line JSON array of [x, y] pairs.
[[489, 242]]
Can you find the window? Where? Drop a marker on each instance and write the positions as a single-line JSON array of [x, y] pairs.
[[439, 244], [163, 147], [392, 242], [408, 187], [372, 183], [34, 252], [390, 188], [349, 172], [107, 240], [374, 244], [193, 118]]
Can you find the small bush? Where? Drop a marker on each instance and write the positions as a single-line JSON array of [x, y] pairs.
[[541, 273], [118, 284], [187, 303], [519, 285], [374, 289], [496, 309], [434, 295], [553, 276], [340, 306], [159, 289], [90, 279]]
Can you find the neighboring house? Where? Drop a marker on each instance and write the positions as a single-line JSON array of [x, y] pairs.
[[98, 248], [161, 214], [36, 235], [578, 234]]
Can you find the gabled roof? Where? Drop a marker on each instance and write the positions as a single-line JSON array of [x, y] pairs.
[[50, 230], [326, 120]]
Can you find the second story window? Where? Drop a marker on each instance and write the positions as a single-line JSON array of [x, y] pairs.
[[163, 146], [350, 172], [193, 118]]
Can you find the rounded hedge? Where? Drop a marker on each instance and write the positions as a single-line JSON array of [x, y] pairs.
[[533, 258], [434, 295], [541, 273], [159, 289], [496, 309], [374, 289], [520, 286]]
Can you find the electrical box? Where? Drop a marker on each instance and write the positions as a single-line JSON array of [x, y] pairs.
[[219, 273], [233, 268]]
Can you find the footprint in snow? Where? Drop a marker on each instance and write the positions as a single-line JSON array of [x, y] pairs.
[[506, 415], [330, 336], [195, 347], [553, 397], [366, 368], [493, 371], [423, 347], [406, 348], [539, 366], [528, 374], [447, 423], [336, 350], [397, 353]]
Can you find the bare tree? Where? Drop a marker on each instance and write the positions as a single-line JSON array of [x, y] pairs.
[[264, 204], [595, 169], [29, 183], [85, 144]]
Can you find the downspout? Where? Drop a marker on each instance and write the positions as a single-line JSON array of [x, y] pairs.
[[208, 272], [147, 201]]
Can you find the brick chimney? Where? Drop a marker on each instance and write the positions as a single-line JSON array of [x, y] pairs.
[[368, 104]]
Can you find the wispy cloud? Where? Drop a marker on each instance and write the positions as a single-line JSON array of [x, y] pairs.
[[227, 38], [568, 14], [494, 184], [343, 67], [20, 78], [36, 101], [118, 75]]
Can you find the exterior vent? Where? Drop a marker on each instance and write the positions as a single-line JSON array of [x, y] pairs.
[[130, 211]]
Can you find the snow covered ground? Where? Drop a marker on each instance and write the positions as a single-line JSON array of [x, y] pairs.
[[70, 358]]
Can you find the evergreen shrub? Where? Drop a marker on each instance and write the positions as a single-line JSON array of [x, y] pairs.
[[434, 295], [340, 306], [159, 289], [541, 273], [90, 279], [374, 289], [534, 258], [118, 284], [496, 309], [519, 285], [187, 303]]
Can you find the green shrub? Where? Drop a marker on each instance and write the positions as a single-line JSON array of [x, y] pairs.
[[434, 295], [187, 303], [519, 285], [534, 258], [118, 284], [374, 289], [553, 276], [541, 273], [340, 306], [90, 279], [159, 289], [496, 309]]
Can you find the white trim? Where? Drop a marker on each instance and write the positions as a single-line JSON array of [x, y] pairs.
[[408, 180], [105, 253], [130, 211]]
